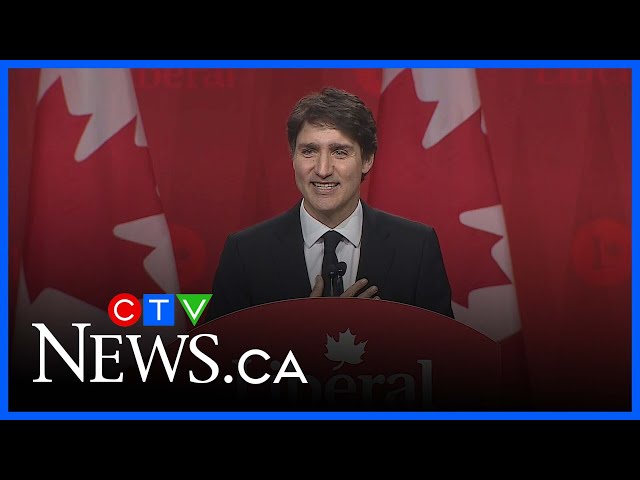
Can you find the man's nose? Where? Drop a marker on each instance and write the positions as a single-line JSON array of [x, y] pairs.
[[324, 165]]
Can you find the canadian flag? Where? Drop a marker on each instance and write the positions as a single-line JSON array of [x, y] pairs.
[[434, 166], [95, 224]]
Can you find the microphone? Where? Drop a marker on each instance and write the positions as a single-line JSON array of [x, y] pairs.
[[335, 272], [342, 269]]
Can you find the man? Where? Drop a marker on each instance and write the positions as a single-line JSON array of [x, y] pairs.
[[333, 140]]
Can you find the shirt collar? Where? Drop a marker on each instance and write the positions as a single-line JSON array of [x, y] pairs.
[[350, 228]]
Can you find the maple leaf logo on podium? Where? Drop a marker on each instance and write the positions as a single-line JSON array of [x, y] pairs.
[[345, 349]]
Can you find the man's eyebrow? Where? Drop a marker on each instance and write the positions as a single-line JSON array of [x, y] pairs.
[[308, 145], [344, 146]]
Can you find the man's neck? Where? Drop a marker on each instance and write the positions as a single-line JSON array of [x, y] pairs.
[[332, 221]]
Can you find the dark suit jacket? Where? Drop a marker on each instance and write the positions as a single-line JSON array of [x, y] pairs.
[[266, 263]]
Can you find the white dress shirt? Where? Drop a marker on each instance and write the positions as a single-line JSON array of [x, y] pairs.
[[348, 250]]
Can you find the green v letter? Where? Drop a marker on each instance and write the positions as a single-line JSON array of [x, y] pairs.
[[194, 304]]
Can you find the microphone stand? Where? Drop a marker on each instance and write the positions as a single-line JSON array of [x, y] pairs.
[[342, 269], [333, 285]]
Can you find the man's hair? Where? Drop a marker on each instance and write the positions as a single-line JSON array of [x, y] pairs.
[[337, 109]]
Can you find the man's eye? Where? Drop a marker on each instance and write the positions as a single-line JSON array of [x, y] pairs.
[[307, 152], [340, 153]]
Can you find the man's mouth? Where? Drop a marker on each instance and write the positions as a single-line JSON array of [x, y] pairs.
[[325, 186]]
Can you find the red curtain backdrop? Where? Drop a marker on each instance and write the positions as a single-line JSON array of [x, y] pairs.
[[560, 149]]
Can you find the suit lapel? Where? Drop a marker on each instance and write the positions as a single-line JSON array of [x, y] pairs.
[[376, 253], [288, 255]]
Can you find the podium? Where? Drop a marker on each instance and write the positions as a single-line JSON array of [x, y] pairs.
[[355, 354]]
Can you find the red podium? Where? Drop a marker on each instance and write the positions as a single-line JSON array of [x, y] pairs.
[[356, 354]]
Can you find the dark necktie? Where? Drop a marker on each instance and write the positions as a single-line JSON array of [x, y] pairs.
[[330, 263]]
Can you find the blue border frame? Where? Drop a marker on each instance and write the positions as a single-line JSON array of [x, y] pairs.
[[4, 257]]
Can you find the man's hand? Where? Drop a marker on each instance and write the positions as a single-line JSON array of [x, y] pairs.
[[349, 292]]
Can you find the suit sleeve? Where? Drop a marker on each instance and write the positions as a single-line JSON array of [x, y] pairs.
[[230, 291], [434, 291]]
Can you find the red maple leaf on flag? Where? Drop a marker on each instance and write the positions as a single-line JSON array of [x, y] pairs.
[[74, 207], [437, 184]]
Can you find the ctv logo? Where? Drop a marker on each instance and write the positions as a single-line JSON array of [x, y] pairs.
[[157, 310]]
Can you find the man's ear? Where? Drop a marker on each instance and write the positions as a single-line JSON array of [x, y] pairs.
[[367, 164]]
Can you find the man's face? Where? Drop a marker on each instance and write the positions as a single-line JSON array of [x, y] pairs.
[[328, 166]]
